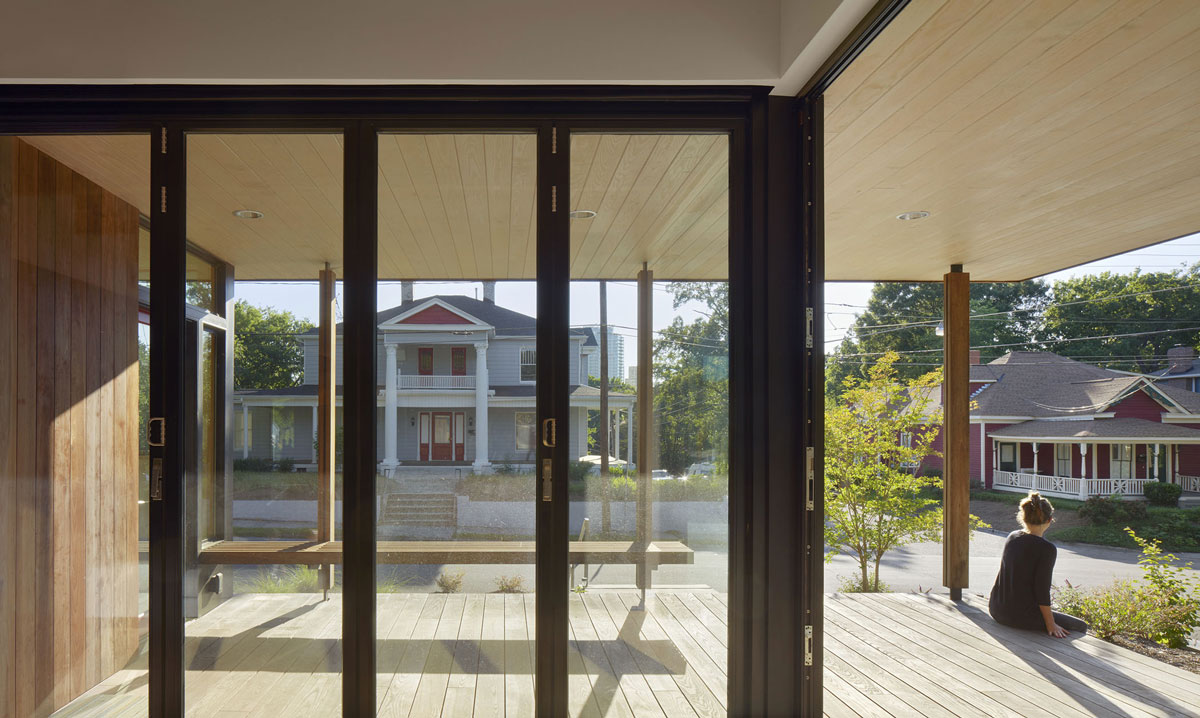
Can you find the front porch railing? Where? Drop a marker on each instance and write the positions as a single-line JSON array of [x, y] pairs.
[[433, 381], [1189, 483], [1065, 486]]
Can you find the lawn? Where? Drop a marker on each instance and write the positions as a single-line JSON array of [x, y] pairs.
[[278, 485]]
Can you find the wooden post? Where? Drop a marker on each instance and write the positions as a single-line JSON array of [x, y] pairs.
[[326, 418], [956, 431], [645, 418], [605, 481]]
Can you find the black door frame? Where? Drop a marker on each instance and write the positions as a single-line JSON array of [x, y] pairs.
[[766, 639]]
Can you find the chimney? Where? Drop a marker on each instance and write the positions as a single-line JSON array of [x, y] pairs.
[[406, 292], [1179, 359], [974, 357], [489, 292]]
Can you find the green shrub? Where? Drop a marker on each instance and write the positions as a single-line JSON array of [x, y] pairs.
[[285, 466], [510, 584], [1110, 510], [1173, 584], [851, 583], [253, 464], [1161, 493], [578, 471], [449, 582], [701, 487], [1119, 608]]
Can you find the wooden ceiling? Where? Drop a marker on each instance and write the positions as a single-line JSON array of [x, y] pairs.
[[1038, 134], [451, 206]]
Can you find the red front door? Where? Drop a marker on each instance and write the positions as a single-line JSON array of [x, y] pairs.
[[443, 438]]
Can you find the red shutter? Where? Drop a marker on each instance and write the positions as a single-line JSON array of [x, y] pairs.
[[425, 361], [458, 361]]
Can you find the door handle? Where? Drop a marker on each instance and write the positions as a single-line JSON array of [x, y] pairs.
[[549, 433], [162, 431]]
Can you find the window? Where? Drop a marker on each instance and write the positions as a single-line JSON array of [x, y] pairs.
[[458, 361], [906, 442], [525, 422], [528, 364], [425, 361], [1008, 457], [1062, 459]]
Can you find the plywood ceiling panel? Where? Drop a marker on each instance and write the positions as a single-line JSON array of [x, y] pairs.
[[451, 206], [1039, 134]]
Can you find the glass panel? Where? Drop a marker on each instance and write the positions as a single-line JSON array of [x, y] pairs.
[[455, 608], [649, 432], [262, 633], [73, 361]]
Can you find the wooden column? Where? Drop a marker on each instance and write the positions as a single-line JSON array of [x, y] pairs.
[[645, 420], [956, 475], [606, 484], [326, 417]]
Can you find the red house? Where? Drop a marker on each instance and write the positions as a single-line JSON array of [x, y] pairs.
[[1043, 421]]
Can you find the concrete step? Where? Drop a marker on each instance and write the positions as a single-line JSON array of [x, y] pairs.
[[424, 510]]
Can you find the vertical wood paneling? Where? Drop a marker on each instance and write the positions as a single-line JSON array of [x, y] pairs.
[[8, 483], [68, 448]]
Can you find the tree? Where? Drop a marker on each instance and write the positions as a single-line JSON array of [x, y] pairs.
[[1106, 304], [872, 503], [266, 347], [691, 392], [903, 317], [615, 386]]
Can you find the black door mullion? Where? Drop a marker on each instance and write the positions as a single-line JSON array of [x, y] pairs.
[[553, 306], [167, 359], [361, 256]]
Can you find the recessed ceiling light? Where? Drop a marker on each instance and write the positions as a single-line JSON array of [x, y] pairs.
[[919, 214], [247, 214], [582, 213]]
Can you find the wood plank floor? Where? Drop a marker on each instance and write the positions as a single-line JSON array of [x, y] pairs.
[[472, 655]]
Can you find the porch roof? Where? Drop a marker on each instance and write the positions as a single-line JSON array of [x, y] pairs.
[[1099, 431]]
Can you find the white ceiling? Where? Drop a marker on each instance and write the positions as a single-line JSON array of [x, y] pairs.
[[779, 43]]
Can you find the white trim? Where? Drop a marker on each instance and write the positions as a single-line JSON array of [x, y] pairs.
[[1099, 439], [520, 363], [1168, 418], [397, 322]]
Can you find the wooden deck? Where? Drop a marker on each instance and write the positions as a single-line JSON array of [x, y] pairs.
[[463, 655]]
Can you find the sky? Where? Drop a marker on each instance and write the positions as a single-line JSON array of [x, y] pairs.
[[845, 300]]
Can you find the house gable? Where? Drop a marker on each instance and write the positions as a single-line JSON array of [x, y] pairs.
[[1138, 405], [435, 315]]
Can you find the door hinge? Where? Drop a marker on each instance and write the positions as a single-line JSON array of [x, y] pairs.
[[163, 199], [164, 141], [810, 479], [554, 198], [808, 641], [808, 327], [553, 140]]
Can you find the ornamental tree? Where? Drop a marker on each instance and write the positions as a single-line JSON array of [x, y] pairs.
[[879, 429]]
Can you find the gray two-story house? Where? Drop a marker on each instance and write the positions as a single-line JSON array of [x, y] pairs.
[[456, 387]]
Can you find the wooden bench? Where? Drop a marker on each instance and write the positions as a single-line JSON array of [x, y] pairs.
[[314, 553]]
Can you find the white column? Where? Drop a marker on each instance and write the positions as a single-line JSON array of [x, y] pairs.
[[1083, 482], [629, 438], [1154, 466], [1035, 457], [481, 464], [616, 434], [245, 431], [1170, 463], [389, 412], [315, 414]]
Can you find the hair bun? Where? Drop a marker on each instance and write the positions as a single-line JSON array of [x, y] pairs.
[[1035, 495]]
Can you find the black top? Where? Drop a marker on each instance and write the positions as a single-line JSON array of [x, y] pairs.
[[1023, 583]]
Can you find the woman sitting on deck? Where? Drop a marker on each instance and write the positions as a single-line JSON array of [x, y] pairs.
[[1021, 596]]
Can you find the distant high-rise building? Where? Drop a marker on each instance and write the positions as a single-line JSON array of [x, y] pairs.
[[616, 354], [631, 378]]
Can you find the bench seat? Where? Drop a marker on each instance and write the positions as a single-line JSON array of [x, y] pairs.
[[313, 553]]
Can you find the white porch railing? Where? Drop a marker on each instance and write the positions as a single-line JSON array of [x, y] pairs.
[[1065, 486], [434, 381], [1189, 483]]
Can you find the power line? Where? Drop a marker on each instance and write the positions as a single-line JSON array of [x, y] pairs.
[[1022, 344]]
